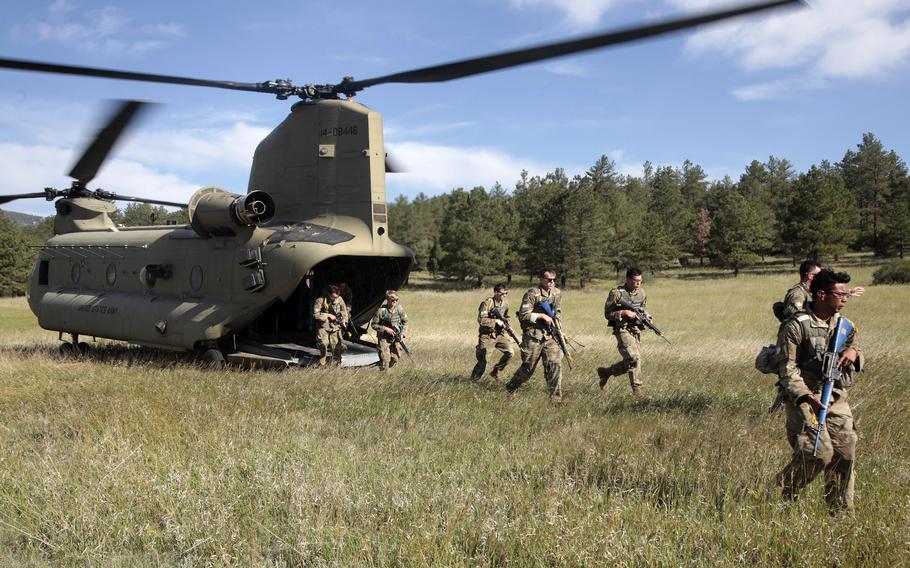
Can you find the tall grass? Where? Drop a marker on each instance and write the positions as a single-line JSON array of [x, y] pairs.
[[126, 459]]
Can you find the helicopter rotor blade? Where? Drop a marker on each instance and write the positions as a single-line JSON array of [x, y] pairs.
[[25, 65], [90, 161], [8, 198], [393, 165], [504, 60]]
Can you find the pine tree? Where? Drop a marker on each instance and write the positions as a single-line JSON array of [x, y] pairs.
[[694, 186], [541, 204], [871, 174], [15, 259], [669, 208], [586, 227], [895, 238], [780, 182], [821, 215], [755, 188], [472, 246], [738, 232]]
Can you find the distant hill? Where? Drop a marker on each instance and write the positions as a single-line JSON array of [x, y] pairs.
[[22, 219]]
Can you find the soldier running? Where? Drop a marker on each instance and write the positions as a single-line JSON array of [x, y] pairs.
[[626, 330], [537, 340], [492, 315]]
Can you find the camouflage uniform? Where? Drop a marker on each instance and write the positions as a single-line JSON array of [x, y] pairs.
[[796, 300], [489, 338], [803, 340], [328, 334], [389, 351], [626, 332], [538, 342]]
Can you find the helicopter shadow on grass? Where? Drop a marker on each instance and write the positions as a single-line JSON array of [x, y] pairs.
[[125, 355]]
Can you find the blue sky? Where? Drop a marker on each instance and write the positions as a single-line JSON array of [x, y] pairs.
[[802, 85]]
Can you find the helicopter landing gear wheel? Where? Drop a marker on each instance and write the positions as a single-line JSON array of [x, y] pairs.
[[212, 359], [68, 351]]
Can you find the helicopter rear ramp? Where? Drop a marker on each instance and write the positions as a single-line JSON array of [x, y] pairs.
[[291, 352]]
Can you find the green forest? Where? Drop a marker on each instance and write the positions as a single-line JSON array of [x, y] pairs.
[[603, 221]]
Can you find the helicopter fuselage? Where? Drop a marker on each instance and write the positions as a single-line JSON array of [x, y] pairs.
[[192, 286]]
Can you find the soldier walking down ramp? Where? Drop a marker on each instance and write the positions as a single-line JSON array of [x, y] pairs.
[[330, 313], [492, 315], [390, 324], [626, 330], [537, 340], [804, 340]]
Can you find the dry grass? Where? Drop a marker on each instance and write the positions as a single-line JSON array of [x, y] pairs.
[[129, 459]]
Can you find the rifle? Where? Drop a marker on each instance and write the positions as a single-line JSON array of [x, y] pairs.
[[351, 330], [831, 372], [396, 338], [642, 318], [556, 330], [505, 323]]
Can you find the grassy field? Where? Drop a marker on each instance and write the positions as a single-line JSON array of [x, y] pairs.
[[137, 460]]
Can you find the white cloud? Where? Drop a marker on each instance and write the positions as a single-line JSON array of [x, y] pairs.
[[108, 30], [198, 148], [578, 13], [31, 168], [202, 142], [832, 39], [436, 168]]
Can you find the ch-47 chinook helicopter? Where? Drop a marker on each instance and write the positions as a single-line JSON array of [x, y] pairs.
[[240, 279]]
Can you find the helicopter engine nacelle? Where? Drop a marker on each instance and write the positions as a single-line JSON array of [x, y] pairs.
[[214, 212]]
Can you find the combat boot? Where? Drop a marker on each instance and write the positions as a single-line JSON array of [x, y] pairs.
[[604, 374], [495, 373], [322, 361], [556, 399], [636, 391]]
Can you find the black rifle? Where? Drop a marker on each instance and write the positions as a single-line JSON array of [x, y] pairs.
[[556, 331], [396, 337], [496, 313], [350, 329], [642, 318]]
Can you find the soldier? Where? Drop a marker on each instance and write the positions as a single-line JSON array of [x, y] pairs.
[[803, 340], [390, 323], [492, 333], [330, 313], [799, 295], [537, 340], [626, 331]]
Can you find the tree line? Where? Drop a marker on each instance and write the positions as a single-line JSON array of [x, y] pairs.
[[605, 221]]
